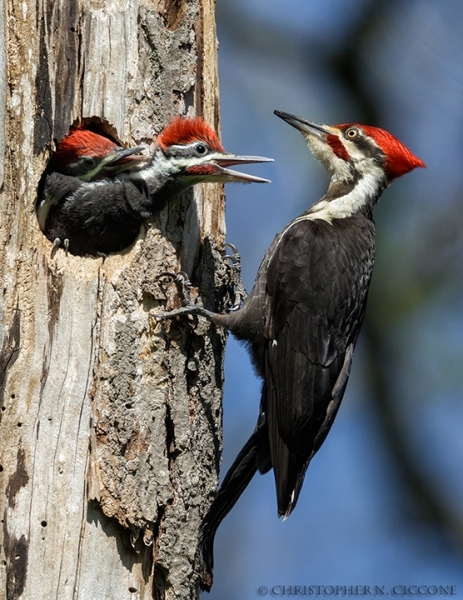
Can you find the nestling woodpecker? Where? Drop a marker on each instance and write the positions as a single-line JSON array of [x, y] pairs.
[[303, 316], [87, 156], [103, 213]]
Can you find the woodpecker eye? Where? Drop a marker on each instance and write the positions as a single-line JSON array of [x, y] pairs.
[[89, 162], [201, 148], [352, 133]]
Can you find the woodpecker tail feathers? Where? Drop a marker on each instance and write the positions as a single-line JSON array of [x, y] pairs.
[[237, 479]]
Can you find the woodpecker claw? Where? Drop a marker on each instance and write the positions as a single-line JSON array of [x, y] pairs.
[[240, 293], [183, 284], [56, 245], [235, 256]]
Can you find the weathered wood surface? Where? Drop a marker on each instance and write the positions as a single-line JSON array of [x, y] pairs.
[[109, 423]]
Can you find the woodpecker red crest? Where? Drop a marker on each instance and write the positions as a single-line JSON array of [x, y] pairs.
[[187, 130], [303, 316], [77, 143]]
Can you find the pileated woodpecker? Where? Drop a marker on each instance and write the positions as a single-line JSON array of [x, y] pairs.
[[88, 156], [96, 214], [303, 316]]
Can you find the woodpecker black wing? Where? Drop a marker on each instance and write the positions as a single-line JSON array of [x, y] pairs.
[[317, 284], [55, 188]]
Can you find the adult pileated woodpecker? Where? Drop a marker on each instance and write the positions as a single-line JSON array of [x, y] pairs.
[[303, 316], [104, 215]]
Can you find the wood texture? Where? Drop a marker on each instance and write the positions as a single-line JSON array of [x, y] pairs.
[[110, 423]]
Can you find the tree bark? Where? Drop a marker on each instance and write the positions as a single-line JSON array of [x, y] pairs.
[[110, 423]]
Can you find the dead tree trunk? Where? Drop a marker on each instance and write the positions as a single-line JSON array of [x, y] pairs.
[[110, 424]]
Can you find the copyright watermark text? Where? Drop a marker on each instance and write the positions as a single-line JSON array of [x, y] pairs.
[[397, 591]]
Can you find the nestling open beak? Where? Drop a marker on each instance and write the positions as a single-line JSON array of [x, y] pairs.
[[307, 127], [214, 169], [220, 162]]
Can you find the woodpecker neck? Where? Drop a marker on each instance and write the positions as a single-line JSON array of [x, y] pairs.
[[159, 172], [350, 195], [160, 180], [162, 177]]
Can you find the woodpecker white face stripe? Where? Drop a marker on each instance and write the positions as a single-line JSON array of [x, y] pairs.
[[366, 188]]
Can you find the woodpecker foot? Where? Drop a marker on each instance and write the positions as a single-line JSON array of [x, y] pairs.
[[57, 244], [183, 289], [240, 293]]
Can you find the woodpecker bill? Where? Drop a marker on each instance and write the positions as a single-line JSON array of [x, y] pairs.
[[303, 316], [99, 208]]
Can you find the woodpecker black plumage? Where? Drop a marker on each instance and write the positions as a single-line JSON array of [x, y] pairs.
[[99, 212], [303, 316]]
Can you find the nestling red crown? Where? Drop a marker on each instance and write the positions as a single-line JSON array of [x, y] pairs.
[[80, 142], [185, 130]]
